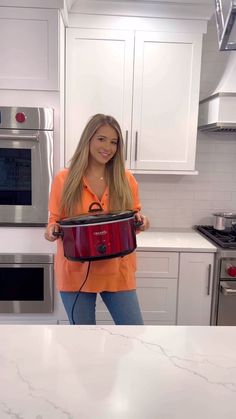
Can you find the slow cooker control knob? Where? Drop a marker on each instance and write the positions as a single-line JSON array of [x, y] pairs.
[[102, 248], [231, 270]]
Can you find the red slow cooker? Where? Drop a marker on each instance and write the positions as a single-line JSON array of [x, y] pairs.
[[98, 235]]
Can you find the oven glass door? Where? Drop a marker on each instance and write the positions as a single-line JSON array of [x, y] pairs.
[[26, 175], [26, 288], [16, 176], [227, 303]]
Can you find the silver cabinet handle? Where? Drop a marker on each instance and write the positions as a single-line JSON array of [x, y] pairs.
[[19, 137], [226, 290], [136, 146], [126, 144], [209, 280]]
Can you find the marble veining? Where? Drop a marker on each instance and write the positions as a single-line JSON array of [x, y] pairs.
[[184, 363], [83, 372]]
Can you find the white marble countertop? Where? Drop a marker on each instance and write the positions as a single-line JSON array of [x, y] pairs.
[[174, 241], [117, 372], [31, 240]]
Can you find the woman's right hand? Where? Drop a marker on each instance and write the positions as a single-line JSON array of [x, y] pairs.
[[50, 229]]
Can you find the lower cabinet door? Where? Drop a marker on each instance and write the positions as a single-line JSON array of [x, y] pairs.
[[157, 299], [195, 288], [102, 314]]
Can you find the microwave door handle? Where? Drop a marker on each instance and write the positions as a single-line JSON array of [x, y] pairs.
[[19, 137], [226, 290]]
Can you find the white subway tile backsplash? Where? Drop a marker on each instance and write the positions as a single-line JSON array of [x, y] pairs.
[[224, 187], [229, 146], [210, 195], [159, 204], [205, 147], [172, 201], [183, 201]]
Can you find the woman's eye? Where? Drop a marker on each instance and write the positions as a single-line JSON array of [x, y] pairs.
[[115, 142]]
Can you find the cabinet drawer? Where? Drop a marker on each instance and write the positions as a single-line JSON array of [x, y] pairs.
[[157, 264]]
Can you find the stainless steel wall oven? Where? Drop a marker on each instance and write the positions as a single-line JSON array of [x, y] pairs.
[[26, 164], [26, 283]]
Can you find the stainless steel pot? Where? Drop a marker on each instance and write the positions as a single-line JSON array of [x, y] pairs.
[[224, 221]]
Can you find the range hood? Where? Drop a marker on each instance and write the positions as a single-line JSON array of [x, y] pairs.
[[218, 112], [226, 24]]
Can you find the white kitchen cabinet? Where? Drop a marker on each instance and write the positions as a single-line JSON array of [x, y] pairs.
[[99, 66], [157, 280], [28, 321], [149, 81], [195, 288], [102, 314], [165, 101], [29, 48]]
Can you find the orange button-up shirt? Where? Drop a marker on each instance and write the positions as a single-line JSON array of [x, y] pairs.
[[117, 274]]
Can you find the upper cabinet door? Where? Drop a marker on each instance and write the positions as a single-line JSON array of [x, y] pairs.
[[29, 49], [165, 101], [99, 74]]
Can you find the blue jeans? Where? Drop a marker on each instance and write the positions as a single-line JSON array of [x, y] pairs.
[[122, 305]]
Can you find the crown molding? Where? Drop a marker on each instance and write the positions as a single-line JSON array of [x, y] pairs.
[[186, 9]]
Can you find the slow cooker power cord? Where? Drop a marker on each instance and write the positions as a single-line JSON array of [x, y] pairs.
[[78, 292]]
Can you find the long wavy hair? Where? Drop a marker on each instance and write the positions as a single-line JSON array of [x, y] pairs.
[[120, 194]]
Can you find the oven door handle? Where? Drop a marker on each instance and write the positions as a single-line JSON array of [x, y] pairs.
[[225, 289], [19, 137]]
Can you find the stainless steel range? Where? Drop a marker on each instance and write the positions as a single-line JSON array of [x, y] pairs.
[[223, 310]]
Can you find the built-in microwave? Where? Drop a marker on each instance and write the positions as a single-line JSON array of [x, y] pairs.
[[26, 283], [26, 165]]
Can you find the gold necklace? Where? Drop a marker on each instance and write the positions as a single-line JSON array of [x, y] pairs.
[[100, 178]]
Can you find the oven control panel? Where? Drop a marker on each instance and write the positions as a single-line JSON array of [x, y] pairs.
[[26, 118]]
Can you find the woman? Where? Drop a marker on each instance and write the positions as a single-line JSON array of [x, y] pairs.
[[96, 173]]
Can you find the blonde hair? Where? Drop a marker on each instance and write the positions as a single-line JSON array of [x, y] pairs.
[[120, 194]]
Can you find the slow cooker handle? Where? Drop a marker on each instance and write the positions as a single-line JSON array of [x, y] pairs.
[[99, 207], [58, 234], [137, 224]]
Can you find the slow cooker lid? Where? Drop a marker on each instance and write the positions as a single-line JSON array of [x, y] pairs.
[[97, 217]]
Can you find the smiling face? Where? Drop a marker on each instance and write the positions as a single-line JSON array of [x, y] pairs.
[[103, 145]]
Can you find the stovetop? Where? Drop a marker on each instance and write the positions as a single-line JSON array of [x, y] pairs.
[[226, 239]]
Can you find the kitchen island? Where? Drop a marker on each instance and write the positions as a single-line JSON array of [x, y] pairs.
[[88, 372]]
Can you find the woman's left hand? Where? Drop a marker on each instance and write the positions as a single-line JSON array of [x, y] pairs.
[[140, 218]]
